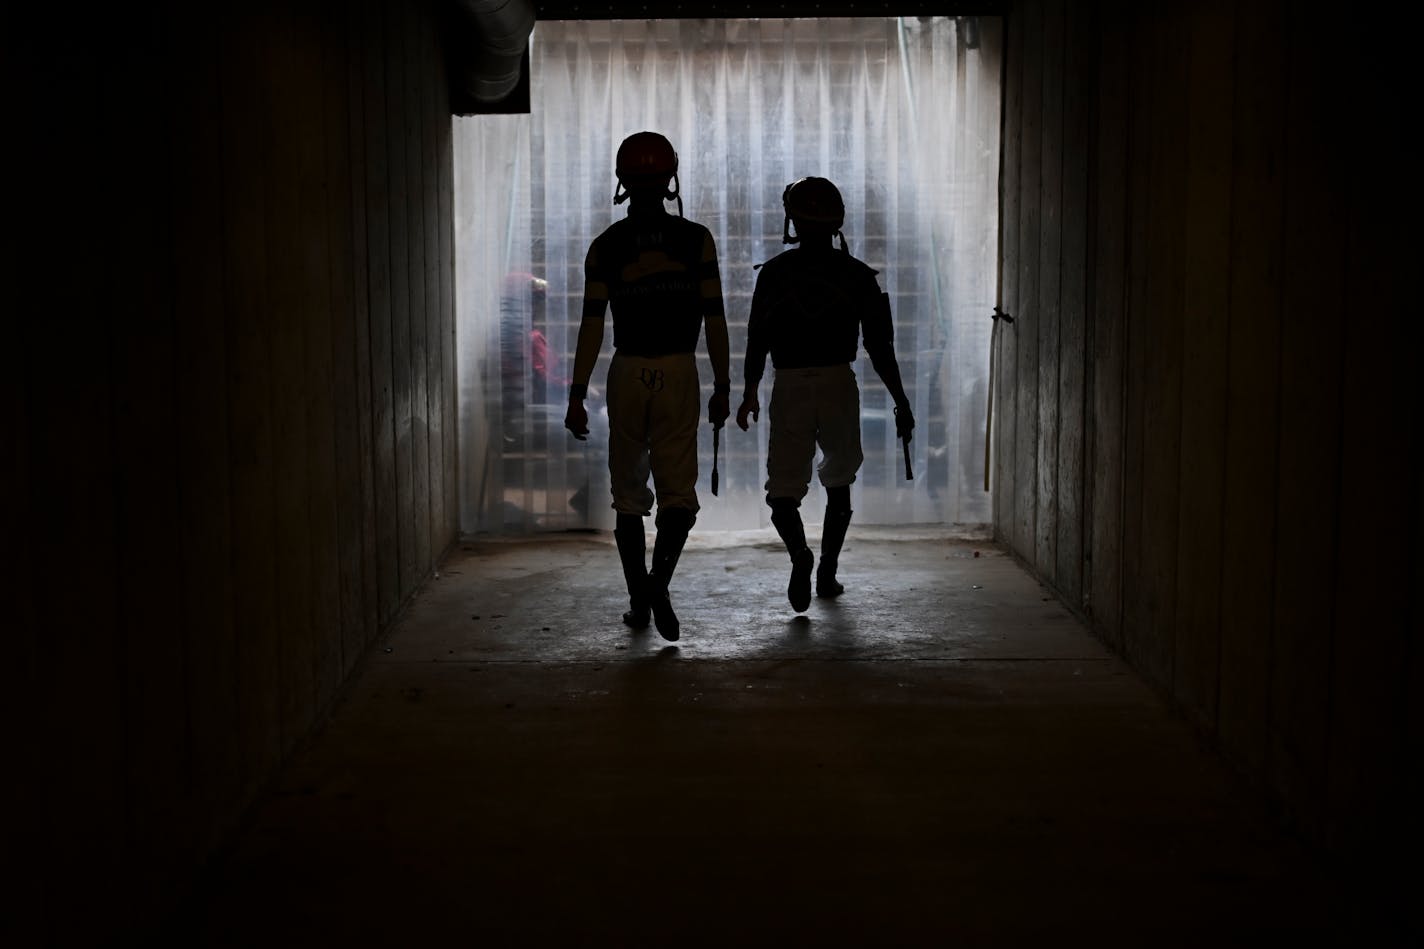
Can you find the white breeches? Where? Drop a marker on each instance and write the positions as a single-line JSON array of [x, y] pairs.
[[654, 406], [811, 407]]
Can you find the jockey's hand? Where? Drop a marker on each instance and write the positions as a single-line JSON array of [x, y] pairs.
[[750, 406], [904, 421], [576, 419]]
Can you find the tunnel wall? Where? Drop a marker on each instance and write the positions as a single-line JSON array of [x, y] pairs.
[[1206, 430], [230, 394]]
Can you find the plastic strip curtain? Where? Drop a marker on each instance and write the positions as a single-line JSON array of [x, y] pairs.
[[902, 114]]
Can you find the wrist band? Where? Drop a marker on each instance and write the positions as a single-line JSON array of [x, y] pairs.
[[578, 390]]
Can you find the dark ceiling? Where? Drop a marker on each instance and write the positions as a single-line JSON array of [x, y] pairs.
[[470, 59], [641, 9]]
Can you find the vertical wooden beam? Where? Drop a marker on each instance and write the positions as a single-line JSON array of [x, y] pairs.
[[1005, 393], [1050, 241], [363, 293], [343, 169], [412, 95], [381, 294], [1028, 317], [1205, 367], [1108, 329], [1162, 331], [313, 39], [399, 209], [433, 73], [448, 394], [1079, 82], [1248, 540], [1141, 234]]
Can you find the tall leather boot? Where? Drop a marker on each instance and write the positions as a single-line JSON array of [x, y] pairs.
[[633, 552], [833, 532], [787, 520], [674, 523]]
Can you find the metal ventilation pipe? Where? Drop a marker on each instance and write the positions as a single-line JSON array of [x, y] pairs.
[[495, 34]]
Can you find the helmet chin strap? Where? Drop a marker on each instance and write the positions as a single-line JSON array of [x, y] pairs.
[[620, 194], [788, 238]]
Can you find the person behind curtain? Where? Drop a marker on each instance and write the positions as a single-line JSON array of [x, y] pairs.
[[809, 308], [519, 305], [532, 386], [659, 275], [524, 348]]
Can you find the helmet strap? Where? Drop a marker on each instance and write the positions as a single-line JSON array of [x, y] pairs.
[[788, 238], [621, 194]]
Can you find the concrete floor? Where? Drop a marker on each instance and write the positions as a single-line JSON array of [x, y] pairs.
[[944, 753]]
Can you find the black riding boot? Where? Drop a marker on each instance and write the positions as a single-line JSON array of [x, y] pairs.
[[633, 551], [833, 532], [787, 520], [673, 526]]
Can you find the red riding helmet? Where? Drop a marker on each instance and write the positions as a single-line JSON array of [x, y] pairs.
[[812, 200], [646, 158]]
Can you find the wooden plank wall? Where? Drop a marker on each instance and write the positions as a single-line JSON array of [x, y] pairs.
[[1003, 435], [1207, 259], [232, 384]]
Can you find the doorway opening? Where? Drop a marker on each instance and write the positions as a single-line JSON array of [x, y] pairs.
[[901, 113]]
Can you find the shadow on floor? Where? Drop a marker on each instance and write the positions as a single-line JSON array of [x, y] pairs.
[[942, 755]]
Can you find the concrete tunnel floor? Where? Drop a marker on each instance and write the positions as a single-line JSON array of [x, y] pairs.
[[942, 753]]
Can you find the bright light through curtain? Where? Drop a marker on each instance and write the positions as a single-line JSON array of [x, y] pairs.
[[902, 114]]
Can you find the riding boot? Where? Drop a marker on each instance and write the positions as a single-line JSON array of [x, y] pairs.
[[674, 523], [833, 532], [633, 551], [787, 520]]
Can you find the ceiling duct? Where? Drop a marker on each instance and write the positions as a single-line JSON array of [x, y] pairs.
[[491, 63]]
